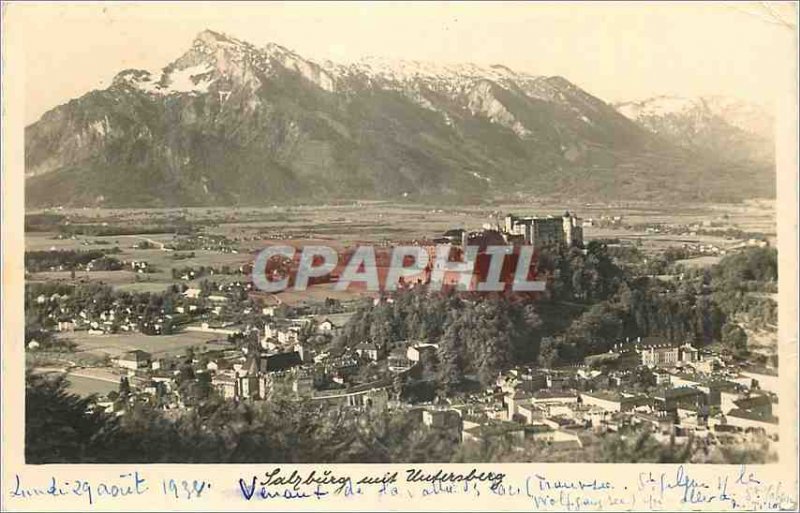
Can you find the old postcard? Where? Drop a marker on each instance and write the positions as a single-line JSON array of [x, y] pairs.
[[399, 256]]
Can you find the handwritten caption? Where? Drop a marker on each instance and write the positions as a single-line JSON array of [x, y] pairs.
[[653, 490]]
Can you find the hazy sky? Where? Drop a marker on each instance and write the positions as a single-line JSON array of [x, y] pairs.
[[615, 51]]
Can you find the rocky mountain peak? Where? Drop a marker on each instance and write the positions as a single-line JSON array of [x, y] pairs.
[[721, 125], [211, 38], [228, 122]]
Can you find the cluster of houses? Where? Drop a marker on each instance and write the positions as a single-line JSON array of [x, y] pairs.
[[155, 379], [265, 373], [69, 316], [284, 362], [140, 266], [112, 320], [656, 352], [560, 407], [206, 242], [190, 274], [700, 248], [688, 392], [281, 364], [691, 394]]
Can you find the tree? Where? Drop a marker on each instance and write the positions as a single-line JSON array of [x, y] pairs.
[[124, 388], [643, 448], [58, 427], [548, 353], [451, 357], [397, 386], [203, 388], [489, 339], [734, 338], [525, 333]]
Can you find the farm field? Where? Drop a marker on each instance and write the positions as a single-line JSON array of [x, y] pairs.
[[85, 382], [250, 229], [377, 221], [315, 293], [339, 319], [86, 386], [702, 261], [655, 242], [115, 345], [109, 277]]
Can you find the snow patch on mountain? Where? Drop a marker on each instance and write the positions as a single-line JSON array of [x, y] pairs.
[[703, 110], [481, 100], [194, 79], [658, 106], [215, 56], [263, 123], [411, 70]]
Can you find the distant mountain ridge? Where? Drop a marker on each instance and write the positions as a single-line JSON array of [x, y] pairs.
[[231, 123], [716, 124]]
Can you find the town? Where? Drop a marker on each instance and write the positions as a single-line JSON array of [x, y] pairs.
[[564, 390]]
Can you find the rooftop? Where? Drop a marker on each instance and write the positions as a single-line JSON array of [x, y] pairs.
[[275, 362], [754, 401], [606, 395], [137, 354], [521, 394], [554, 394], [497, 428], [722, 385], [765, 371], [753, 415], [537, 428], [672, 393]]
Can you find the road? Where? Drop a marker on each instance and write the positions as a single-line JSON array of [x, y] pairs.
[[98, 374], [160, 245]]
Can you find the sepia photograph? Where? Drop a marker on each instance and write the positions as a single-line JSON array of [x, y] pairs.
[[404, 233]]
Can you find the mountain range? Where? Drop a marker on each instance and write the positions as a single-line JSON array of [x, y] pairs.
[[229, 123], [714, 125]]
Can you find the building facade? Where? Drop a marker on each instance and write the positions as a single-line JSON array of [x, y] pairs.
[[135, 360], [540, 231]]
